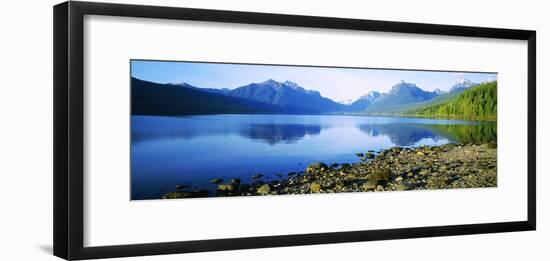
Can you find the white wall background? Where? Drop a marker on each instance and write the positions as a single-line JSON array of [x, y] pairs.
[[26, 129]]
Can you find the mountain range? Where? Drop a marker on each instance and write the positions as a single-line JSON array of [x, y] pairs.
[[400, 95], [149, 98], [286, 94]]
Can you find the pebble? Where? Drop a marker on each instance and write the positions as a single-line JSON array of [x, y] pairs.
[[264, 189], [315, 187]]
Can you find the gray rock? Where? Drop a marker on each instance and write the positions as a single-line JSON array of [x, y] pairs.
[[402, 187], [315, 187], [379, 174], [226, 187], [264, 189], [455, 165], [216, 181], [317, 166], [257, 176], [370, 185]]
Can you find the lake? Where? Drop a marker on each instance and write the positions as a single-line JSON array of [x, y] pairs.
[[192, 150]]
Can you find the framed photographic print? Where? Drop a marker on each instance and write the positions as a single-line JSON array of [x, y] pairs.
[[182, 130]]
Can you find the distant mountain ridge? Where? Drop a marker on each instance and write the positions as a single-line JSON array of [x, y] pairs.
[[401, 94], [149, 98], [210, 90], [280, 97], [364, 101], [286, 94]]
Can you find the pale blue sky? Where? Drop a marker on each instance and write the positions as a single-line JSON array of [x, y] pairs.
[[336, 83]]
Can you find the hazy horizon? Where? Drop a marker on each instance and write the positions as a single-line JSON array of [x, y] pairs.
[[356, 82]]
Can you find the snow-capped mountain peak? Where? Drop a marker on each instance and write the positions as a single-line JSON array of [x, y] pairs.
[[346, 102], [371, 96], [402, 87], [461, 84], [182, 84], [291, 84], [464, 80], [271, 82]]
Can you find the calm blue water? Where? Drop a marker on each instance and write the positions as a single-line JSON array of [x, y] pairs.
[[192, 150]]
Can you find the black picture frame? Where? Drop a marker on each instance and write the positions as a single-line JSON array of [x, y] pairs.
[[69, 128]]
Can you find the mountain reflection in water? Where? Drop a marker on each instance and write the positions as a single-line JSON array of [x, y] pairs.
[[279, 133]]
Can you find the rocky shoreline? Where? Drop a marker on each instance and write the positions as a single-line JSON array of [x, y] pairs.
[[447, 166]]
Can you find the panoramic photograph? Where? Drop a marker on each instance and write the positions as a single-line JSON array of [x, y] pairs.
[[201, 129]]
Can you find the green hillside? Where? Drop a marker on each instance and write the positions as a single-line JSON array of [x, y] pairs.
[[405, 108], [445, 97], [479, 102]]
